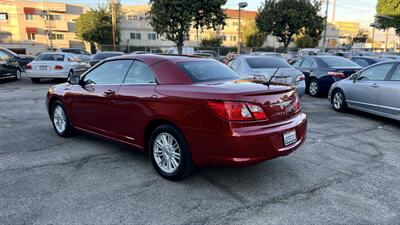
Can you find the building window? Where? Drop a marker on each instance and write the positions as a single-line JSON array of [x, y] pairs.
[[56, 36], [136, 36], [3, 16], [31, 36], [151, 36], [51, 17], [141, 18], [235, 24], [28, 16], [131, 17], [233, 38], [223, 38]]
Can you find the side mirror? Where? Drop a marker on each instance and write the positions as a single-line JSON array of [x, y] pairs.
[[74, 80]]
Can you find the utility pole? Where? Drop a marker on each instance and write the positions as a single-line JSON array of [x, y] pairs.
[[114, 23], [326, 25], [387, 39], [334, 10]]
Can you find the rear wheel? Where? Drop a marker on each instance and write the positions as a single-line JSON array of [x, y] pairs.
[[18, 75], [169, 153], [60, 120], [338, 101], [313, 88], [70, 74], [35, 80]]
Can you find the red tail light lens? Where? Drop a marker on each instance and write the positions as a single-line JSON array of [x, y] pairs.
[[300, 78], [28, 67], [237, 111], [336, 74], [58, 67], [297, 106]]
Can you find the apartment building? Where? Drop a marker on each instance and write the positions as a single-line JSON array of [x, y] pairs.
[[39, 23], [135, 29]]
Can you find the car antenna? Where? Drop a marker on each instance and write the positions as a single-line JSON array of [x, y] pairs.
[[270, 79]]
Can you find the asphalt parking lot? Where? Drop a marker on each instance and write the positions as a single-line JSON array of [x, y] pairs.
[[347, 172]]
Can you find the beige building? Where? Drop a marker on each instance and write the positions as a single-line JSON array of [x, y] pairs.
[[39, 23], [135, 29]]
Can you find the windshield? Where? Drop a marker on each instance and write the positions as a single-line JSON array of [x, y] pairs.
[[101, 56], [261, 62], [50, 57], [207, 71], [73, 51], [338, 62]]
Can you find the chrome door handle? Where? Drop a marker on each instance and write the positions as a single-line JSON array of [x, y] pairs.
[[375, 86], [109, 92]]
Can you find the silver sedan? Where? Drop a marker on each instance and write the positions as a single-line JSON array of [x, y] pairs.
[[264, 67], [375, 89]]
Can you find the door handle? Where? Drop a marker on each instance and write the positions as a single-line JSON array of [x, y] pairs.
[[375, 86], [109, 92]]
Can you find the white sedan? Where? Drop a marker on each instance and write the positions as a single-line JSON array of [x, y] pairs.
[[54, 65]]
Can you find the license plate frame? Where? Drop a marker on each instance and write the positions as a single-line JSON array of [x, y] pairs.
[[283, 80], [43, 67], [289, 137]]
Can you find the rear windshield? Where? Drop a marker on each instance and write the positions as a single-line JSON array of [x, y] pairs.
[[338, 62], [207, 71], [260, 62], [50, 57], [101, 56], [73, 51]]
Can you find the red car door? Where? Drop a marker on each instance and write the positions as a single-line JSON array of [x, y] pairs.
[[95, 99], [136, 97]]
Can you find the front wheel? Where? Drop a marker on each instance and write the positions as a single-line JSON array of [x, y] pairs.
[[338, 101], [18, 75], [169, 153], [35, 80], [60, 120], [313, 88]]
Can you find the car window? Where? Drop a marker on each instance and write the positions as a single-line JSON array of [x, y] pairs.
[[71, 58], [336, 61], [50, 57], [101, 56], [111, 72], [140, 73], [4, 56], [74, 51], [233, 64], [307, 63], [361, 62], [208, 71], [396, 74], [264, 62], [376, 73], [297, 63]]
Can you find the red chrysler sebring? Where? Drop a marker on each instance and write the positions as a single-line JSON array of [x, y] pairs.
[[185, 111]]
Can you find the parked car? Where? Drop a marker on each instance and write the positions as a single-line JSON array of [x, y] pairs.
[[185, 111], [213, 53], [204, 55], [22, 60], [103, 55], [83, 55], [322, 71], [264, 67], [365, 61], [375, 89], [139, 52], [54, 65], [9, 68]]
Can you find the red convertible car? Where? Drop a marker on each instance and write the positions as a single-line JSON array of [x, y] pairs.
[[184, 111]]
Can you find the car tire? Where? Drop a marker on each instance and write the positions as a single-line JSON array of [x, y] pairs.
[[18, 76], [338, 100], [170, 153], [313, 88], [70, 74], [60, 120], [35, 80]]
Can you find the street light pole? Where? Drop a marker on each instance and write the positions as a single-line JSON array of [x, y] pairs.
[[326, 25], [241, 6]]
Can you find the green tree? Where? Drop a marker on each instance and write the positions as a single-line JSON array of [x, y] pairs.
[[174, 18], [287, 18], [213, 41], [255, 40], [305, 41], [388, 14], [95, 26]]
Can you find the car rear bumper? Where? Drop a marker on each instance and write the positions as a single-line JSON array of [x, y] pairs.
[[247, 145], [44, 74]]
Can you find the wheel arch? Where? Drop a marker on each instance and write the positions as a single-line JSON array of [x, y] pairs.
[[153, 124]]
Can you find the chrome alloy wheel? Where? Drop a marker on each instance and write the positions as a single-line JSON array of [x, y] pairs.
[[18, 76], [338, 100], [166, 152], [59, 119], [313, 88]]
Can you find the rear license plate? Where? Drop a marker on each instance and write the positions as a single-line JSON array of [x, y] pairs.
[[289, 137], [42, 67], [282, 80]]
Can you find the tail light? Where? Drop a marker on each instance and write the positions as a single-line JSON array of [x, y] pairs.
[[237, 111], [337, 74], [297, 106], [58, 67], [300, 77], [28, 67]]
